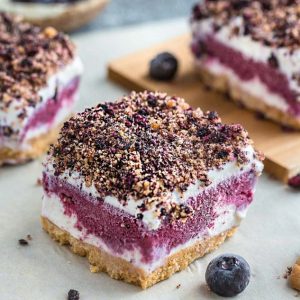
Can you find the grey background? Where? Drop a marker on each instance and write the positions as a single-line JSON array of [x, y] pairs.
[[126, 12]]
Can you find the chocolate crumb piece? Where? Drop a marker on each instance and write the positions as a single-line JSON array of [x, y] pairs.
[[73, 295], [23, 242], [273, 61], [29, 237], [141, 161], [178, 286]]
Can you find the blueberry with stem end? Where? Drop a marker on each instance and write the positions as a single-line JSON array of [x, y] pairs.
[[163, 66], [228, 275]]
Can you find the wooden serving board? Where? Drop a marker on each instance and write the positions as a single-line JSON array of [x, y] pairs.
[[281, 148]]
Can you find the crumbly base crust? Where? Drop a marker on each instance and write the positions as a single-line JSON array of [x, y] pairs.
[[120, 269], [39, 145], [221, 83], [74, 17]]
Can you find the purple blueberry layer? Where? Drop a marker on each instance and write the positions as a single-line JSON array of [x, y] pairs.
[[121, 231], [47, 113], [248, 69]]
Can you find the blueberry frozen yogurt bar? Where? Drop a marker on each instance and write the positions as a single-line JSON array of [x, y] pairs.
[[145, 185], [39, 80], [250, 50]]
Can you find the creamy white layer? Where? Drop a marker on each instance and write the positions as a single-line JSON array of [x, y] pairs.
[[52, 209], [37, 11], [289, 63], [253, 87], [10, 116], [150, 216]]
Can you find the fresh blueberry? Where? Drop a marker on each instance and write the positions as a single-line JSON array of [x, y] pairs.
[[295, 181], [228, 275], [163, 66]]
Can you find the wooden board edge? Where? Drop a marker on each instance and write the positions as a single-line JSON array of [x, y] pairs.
[[115, 77]]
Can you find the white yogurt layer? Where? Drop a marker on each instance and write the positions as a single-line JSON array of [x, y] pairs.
[[289, 63], [52, 208], [253, 87], [150, 217], [10, 117]]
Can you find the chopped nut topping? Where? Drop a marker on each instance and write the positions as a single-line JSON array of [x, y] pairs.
[[141, 147], [276, 23]]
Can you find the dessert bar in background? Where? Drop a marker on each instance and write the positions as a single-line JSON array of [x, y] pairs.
[[146, 185], [250, 50], [39, 80], [65, 15]]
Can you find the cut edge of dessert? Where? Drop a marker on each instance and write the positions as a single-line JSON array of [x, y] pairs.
[[249, 50], [66, 16], [144, 186], [40, 76]]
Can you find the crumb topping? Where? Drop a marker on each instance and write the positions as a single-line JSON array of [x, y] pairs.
[[28, 56], [23, 242], [276, 23], [145, 146]]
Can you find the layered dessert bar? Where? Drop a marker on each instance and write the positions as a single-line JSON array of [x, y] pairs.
[[146, 185], [65, 15], [250, 50], [39, 79]]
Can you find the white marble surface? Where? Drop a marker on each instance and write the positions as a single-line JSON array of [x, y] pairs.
[[268, 238]]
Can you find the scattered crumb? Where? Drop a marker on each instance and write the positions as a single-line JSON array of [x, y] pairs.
[[287, 272], [278, 277], [178, 286], [29, 237], [94, 269], [73, 295], [39, 182], [23, 242]]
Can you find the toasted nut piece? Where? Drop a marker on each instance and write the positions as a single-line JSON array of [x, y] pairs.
[[50, 32], [295, 276], [171, 103], [94, 269]]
